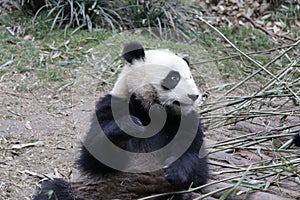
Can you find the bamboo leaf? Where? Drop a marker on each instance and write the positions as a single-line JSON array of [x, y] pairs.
[[235, 187]]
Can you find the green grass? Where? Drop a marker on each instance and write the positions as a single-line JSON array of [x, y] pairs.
[[247, 39], [48, 56]]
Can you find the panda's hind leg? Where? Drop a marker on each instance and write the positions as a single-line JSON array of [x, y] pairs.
[[57, 189]]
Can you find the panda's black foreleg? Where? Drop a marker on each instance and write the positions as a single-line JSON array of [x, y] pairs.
[[88, 161], [104, 124], [123, 129], [57, 189], [189, 170], [120, 127]]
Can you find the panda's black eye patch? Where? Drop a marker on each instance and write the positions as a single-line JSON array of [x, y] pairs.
[[171, 80]]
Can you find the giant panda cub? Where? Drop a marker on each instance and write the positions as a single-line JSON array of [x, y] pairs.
[[145, 137]]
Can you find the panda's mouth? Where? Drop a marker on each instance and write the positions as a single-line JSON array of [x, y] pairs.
[[177, 103]]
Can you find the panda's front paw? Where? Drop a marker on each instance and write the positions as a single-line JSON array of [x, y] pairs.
[[177, 176]]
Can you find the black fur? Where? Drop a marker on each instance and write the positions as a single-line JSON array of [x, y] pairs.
[[171, 80], [133, 51], [188, 169], [296, 139], [187, 60], [56, 189]]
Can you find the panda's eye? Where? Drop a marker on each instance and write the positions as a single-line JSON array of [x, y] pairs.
[[175, 78], [171, 80]]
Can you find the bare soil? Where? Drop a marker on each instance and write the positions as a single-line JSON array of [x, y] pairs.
[[27, 118]]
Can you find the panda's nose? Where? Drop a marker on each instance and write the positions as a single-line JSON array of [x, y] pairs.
[[194, 97]]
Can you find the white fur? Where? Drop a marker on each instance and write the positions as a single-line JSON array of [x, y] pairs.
[[144, 79]]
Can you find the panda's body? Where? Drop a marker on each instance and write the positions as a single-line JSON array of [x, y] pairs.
[[156, 77], [296, 139]]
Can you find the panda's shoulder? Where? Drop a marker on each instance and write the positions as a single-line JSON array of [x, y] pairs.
[[103, 101], [109, 103]]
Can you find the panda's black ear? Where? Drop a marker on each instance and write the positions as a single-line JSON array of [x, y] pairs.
[[133, 51], [187, 60]]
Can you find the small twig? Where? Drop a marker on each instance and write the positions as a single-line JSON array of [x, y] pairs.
[[272, 113], [249, 138], [238, 146], [266, 149], [32, 144], [31, 173], [16, 113], [291, 162], [220, 164]]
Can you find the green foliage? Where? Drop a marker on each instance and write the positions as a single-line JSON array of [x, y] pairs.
[[80, 13], [168, 17]]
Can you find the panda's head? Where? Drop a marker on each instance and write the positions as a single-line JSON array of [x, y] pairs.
[[157, 76]]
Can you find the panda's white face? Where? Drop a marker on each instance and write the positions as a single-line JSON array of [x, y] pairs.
[[158, 76]]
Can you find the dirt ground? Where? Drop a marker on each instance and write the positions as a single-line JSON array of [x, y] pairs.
[[40, 118]]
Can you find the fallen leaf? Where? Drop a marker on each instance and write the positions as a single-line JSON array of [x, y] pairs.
[[276, 29], [279, 24], [28, 126], [267, 16]]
